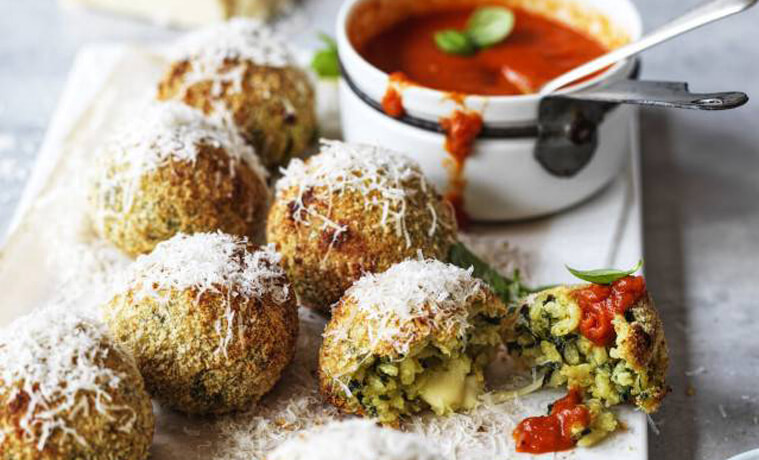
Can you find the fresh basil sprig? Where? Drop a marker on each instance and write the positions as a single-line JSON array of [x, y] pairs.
[[326, 62], [454, 42], [490, 25], [509, 290], [604, 275], [486, 27]]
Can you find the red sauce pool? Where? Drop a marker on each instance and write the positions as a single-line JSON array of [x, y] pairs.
[[599, 305], [538, 50], [553, 432]]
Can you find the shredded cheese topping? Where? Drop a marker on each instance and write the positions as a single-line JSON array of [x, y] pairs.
[[51, 359], [210, 263], [384, 178], [207, 262], [214, 53], [172, 130], [390, 303], [356, 440], [238, 38], [167, 131]]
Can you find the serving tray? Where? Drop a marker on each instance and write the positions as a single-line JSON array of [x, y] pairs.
[[50, 254]]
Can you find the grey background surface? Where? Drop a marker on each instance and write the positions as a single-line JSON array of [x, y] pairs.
[[701, 198]]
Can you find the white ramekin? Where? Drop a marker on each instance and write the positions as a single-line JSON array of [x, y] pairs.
[[504, 180]]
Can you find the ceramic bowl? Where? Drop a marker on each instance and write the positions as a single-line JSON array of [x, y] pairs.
[[504, 180]]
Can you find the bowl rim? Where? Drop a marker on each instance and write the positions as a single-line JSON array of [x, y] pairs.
[[417, 91]]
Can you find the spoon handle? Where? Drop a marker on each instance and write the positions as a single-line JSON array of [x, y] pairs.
[[659, 94], [705, 13]]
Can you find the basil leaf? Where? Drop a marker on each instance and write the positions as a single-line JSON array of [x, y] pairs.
[[326, 62], [509, 290], [490, 25], [454, 42], [604, 275]]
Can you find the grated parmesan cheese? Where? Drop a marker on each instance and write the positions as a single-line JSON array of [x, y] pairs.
[[210, 262], [167, 131], [213, 49], [238, 38], [172, 130], [384, 178], [52, 358], [428, 290], [356, 440]]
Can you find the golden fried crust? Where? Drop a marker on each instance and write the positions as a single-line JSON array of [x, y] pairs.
[[206, 195], [333, 355], [274, 112], [179, 345], [322, 264], [124, 434], [643, 345], [332, 394]]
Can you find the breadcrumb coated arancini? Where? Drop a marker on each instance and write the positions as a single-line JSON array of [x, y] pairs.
[[210, 320], [350, 210], [242, 72], [356, 440], [68, 392], [610, 351], [631, 368], [175, 171], [415, 337]]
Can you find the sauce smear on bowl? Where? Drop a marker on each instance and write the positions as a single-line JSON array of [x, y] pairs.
[[538, 50], [461, 130], [392, 103]]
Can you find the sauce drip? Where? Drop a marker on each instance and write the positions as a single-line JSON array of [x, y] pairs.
[[461, 130], [456, 198], [599, 305], [392, 102], [553, 432], [538, 50]]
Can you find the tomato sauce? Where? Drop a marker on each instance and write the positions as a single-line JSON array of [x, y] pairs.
[[455, 197], [599, 305], [461, 130], [553, 432], [538, 50], [392, 102]]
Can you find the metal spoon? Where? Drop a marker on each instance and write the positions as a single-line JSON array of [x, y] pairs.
[[701, 15]]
